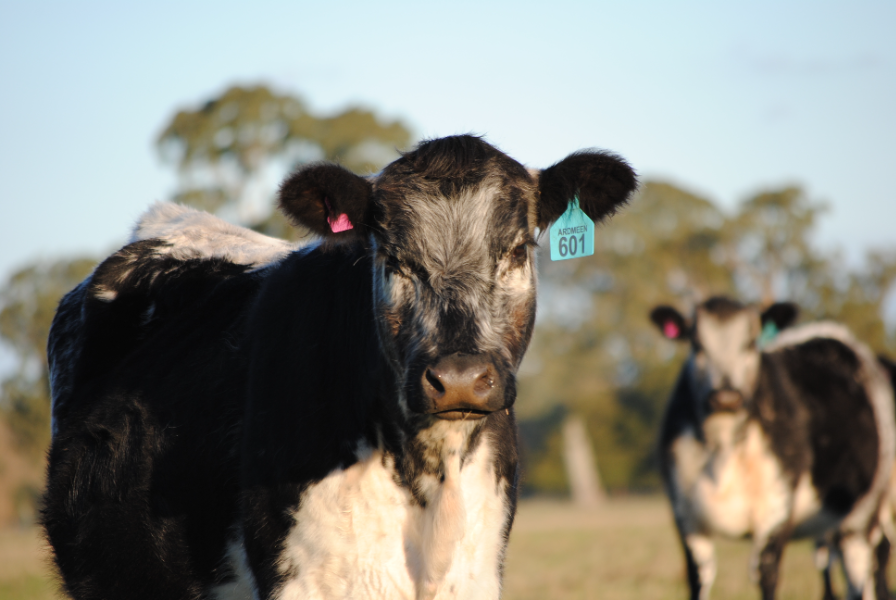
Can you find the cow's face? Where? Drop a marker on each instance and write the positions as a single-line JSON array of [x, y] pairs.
[[723, 368], [451, 227]]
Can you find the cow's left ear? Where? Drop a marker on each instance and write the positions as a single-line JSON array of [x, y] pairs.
[[670, 322], [328, 199], [782, 314], [602, 181]]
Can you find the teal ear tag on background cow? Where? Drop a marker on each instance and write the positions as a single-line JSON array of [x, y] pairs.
[[769, 333], [572, 235]]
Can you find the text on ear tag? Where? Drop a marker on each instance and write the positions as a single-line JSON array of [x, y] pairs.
[[572, 235]]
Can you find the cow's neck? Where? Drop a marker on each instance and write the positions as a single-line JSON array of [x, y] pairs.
[[722, 431]]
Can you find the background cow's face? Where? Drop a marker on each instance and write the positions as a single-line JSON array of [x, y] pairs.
[[724, 364], [451, 227]]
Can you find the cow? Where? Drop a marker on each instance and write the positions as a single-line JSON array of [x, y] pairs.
[[238, 417], [792, 439]]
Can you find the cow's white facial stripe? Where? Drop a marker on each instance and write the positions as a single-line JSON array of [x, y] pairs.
[[728, 356]]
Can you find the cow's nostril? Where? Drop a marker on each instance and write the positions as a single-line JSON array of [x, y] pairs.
[[435, 383]]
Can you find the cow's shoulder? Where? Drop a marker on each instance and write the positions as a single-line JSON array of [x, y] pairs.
[[188, 233]]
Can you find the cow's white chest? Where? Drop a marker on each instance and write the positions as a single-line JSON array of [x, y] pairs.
[[734, 485], [359, 535]]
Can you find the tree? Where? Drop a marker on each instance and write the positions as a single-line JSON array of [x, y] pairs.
[[769, 245], [226, 149]]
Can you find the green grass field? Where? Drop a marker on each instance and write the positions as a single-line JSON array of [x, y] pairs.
[[624, 550]]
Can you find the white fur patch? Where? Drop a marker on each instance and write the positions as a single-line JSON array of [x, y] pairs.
[[197, 234], [241, 588], [730, 486], [359, 535]]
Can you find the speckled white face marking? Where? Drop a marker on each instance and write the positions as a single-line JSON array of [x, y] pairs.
[[449, 270]]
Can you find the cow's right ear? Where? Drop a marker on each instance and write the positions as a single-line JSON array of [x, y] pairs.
[[669, 321], [782, 314], [328, 199], [602, 181]]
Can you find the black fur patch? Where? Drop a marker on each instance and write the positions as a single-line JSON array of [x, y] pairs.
[[722, 307], [842, 432], [782, 314], [127, 515]]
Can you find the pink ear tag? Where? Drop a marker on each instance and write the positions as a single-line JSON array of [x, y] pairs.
[[337, 224], [340, 224], [670, 330]]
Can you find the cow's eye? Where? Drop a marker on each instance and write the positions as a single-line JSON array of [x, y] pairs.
[[519, 254], [393, 265]]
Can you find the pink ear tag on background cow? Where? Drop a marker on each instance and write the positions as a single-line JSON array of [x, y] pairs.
[[670, 330], [339, 223]]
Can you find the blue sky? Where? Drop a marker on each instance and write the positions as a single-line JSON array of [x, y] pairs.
[[722, 98]]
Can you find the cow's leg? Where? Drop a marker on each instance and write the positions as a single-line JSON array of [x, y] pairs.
[[701, 563], [825, 555], [882, 559], [857, 556], [767, 560]]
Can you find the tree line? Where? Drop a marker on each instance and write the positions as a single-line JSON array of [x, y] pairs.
[[594, 359]]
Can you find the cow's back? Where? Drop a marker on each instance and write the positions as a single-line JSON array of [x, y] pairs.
[[141, 349]]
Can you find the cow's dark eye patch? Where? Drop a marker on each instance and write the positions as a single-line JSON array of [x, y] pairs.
[[396, 266], [393, 265], [520, 253]]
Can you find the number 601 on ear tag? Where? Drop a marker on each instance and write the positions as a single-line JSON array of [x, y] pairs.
[[572, 235]]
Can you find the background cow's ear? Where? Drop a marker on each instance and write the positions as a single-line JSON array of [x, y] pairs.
[[328, 199], [782, 314], [669, 321], [602, 180]]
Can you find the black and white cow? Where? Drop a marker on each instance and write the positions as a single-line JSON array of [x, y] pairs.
[[795, 439], [235, 417]]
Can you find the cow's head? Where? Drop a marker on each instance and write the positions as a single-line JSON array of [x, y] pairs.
[[451, 229], [724, 364]]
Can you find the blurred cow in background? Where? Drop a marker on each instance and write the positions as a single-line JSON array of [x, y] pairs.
[[795, 439]]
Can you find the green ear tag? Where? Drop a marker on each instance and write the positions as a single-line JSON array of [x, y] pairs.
[[769, 332], [572, 235]]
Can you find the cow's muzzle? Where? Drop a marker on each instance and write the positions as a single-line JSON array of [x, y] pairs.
[[462, 387], [725, 400]]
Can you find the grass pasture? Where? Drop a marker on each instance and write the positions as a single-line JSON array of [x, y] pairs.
[[624, 550]]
